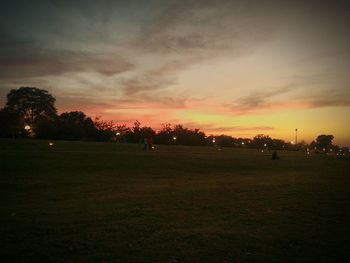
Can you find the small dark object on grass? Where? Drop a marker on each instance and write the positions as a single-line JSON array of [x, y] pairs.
[[275, 156]]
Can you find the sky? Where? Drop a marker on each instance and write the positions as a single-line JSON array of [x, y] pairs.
[[239, 68]]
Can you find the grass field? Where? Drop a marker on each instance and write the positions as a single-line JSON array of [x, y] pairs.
[[107, 202]]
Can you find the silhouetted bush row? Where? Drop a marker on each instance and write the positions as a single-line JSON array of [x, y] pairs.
[[30, 112]]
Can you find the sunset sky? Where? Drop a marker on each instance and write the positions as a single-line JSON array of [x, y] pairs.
[[235, 67]]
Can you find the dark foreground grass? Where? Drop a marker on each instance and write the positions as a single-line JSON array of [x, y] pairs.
[[105, 202]]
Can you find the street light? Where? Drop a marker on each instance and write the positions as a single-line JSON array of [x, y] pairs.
[[27, 127]]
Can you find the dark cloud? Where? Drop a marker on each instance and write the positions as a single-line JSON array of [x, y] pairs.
[[260, 99], [35, 62], [194, 27], [135, 86], [330, 102], [329, 98]]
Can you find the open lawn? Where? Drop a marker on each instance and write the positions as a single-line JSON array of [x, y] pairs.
[[107, 202]]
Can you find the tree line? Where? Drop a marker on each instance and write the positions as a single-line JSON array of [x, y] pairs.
[[31, 112]]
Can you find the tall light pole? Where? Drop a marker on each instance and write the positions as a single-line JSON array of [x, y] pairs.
[[296, 136]]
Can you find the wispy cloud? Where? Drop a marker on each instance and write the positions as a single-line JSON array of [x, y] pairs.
[[217, 129], [260, 100], [37, 62], [181, 35], [301, 93]]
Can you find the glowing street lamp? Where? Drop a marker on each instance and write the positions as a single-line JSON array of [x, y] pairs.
[[213, 140], [27, 127], [174, 138], [242, 143], [51, 144], [117, 133]]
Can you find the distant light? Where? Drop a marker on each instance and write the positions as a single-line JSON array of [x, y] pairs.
[[324, 149], [292, 142], [153, 147], [213, 139], [242, 143], [27, 127], [262, 151], [331, 150], [118, 133], [174, 138], [265, 144], [51, 144]]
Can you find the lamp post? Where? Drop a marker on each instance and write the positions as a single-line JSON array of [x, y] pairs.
[[296, 136]]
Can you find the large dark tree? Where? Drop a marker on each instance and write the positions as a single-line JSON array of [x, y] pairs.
[[261, 141], [30, 103], [10, 123], [76, 125], [185, 136], [137, 133], [324, 141], [46, 128], [165, 135]]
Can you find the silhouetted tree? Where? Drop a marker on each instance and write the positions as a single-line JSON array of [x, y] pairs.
[[277, 144], [76, 125], [137, 133], [30, 103], [46, 128], [10, 123], [165, 135], [222, 140], [105, 129], [324, 142], [185, 136], [121, 132], [147, 132], [261, 141]]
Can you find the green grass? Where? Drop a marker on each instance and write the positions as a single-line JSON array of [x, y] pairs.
[[105, 202]]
